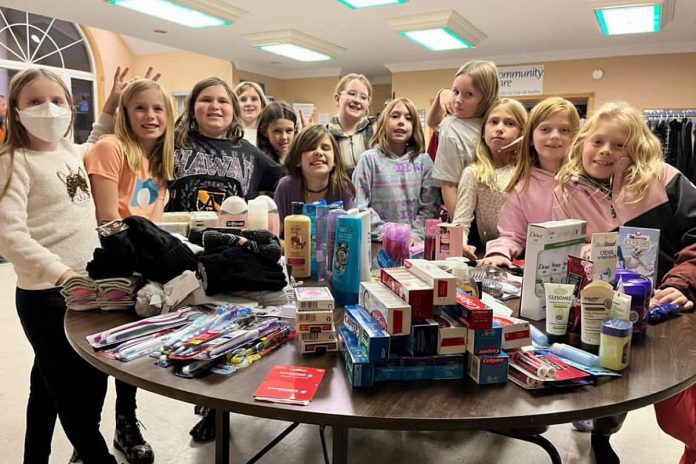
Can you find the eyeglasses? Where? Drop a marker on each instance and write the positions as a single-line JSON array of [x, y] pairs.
[[356, 96]]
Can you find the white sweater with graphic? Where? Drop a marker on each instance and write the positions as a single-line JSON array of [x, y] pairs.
[[47, 215]]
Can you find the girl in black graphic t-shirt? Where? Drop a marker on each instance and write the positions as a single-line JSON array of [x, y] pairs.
[[212, 161]]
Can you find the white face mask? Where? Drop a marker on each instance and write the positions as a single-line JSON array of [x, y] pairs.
[[46, 121]]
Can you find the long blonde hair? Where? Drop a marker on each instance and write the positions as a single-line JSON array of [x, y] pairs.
[[161, 159], [485, 171], [540, 113], [186, 122], [484, 77], [415, 145], [642, 147], [16, 136]]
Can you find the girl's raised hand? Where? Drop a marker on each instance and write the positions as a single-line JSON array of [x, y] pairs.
[[673, 295], [120, 83], [312, 120]]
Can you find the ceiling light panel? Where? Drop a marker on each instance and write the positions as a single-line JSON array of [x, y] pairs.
[[438, 31], [617, 17], [357, 4], [294, 44], [190, 13]]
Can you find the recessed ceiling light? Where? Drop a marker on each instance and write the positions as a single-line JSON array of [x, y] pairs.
[[616, 17], [190, 13], [443, 30], [294, 44], [356, 4]]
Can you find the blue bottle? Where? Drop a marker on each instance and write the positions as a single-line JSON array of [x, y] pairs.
[[345, 279]]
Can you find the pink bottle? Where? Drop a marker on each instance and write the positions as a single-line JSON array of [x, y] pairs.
[[273, 216]]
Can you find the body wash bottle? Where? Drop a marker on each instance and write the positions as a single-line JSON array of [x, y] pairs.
[[345, 279], [297, 235]]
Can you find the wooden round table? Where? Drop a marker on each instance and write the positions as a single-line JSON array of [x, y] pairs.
[[660, 366]]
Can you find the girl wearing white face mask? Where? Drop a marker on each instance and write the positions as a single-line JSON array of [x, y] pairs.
[[48, 221]]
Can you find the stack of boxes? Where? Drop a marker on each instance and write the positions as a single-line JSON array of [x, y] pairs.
[[415, 324], [314, 320]]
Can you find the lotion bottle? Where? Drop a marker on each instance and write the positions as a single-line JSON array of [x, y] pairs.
[[297, 229]]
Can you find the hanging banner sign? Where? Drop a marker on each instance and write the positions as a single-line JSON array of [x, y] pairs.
[[521, 80]]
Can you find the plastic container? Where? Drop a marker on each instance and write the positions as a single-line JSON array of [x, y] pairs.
[[233, 213], [430, 229], [639, 290], [575, 354], [615, 344], [258, 214]]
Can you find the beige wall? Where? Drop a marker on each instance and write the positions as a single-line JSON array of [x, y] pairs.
[[181, 70], [649, 81], [110, 51]]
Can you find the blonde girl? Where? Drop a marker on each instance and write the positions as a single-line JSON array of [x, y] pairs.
[[252, 100], [483, 186], [315, 172], [474, 90], [48, 226], [393, 178], [351, 126], [547, 135], [129, 170], [615, 175]]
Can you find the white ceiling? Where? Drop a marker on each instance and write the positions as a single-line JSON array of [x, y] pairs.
[[519, 31]]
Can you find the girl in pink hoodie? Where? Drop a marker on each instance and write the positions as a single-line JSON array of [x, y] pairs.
[[549, 130]]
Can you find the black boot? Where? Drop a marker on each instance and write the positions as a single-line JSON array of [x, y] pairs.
[[204, 430], [604, 453], [75, 458], [130, 441]]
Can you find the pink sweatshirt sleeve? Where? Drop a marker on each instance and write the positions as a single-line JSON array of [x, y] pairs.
[[512, 229]]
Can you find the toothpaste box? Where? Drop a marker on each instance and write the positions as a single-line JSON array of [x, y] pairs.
[[548, 246], [318, 336], [488, 369], [638, 251], [474, 312], [516, 332], [393, 369], [317, 347], [372, 339], [484, 341], [418, 368], [444, 284], [359, 370], [312, 321], [449, 366], [451, 335], [448, 240], [390, 311], [411, 289], [423, 340], [314, 299]]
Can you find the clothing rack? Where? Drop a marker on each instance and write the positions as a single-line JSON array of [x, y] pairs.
[[669, 113]]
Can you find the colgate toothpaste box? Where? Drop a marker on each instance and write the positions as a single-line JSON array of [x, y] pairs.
[[444, 284], [411, 289], [474, 312], [484, 341], [451, 335], [450, 366], [516, 333], [390, 311], [423, 340], [488, 369]]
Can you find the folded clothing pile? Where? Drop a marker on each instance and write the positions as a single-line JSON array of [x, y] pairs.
[[83, 293]]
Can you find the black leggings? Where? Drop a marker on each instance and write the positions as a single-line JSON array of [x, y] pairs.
[[63, 385]]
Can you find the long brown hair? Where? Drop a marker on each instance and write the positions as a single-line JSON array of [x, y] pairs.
[[187, 121], [272, 112], [415, 145], [16, 136], [308, 140], [161, 159]]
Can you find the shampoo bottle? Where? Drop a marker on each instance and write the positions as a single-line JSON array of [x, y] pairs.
[[331, 236], [297, 237], [345, 279]]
